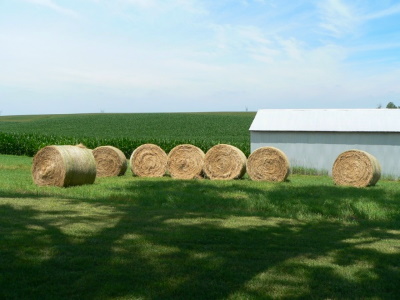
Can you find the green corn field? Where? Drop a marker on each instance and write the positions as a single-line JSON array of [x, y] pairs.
[[25, 135]]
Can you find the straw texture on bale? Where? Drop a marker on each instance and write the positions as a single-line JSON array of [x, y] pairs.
[[110, 161], [224, 162], [149, 160], [268, 164], [356, 168], [185, 162], [63, 166]]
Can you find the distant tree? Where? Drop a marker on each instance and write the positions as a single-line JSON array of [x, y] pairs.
[[379, 106], [391, 105]]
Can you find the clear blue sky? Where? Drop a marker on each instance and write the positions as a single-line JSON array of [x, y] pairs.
[[78, 56]]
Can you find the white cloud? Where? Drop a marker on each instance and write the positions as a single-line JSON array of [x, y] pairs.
[[338, 18], [142, 3], [244, 42], [256, 45], [55, 7], [248, 2], [292, 48], [192, 6], [393, 10], [252, 34]]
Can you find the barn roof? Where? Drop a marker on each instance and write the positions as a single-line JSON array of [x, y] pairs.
[[331, 120]]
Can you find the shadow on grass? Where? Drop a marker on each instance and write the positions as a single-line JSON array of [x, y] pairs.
[[182, 240], [373, 206]]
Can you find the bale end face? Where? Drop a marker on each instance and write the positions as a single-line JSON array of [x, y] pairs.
[[148, 160], [268, 164], [356, 168], [224, 162], [110, 161], [48, 168], [185, 162]]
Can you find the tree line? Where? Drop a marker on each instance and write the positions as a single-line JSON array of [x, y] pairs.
[[389, 105]]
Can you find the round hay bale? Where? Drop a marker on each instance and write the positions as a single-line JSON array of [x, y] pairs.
[[110, 161], [63, 166], [185, 162], [224, 162], [356, 168], [268, 164], [149, 160]]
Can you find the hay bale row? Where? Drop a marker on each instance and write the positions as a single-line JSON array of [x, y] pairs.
[[76, 165], [69, 165], [221, 162], [189, 162]]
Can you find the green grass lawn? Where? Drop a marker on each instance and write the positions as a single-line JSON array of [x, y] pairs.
[[135, 238]]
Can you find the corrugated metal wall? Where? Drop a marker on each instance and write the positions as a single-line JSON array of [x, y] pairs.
[[319, 150]]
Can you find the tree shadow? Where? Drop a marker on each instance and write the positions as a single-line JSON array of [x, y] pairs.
[[167, 243]]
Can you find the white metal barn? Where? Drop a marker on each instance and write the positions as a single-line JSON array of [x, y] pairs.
[[313, 138]]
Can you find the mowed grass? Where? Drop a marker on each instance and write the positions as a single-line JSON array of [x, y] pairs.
[[135, 238]]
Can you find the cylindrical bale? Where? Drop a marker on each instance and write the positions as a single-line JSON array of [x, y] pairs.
[[63, 166], [268, 164], [149, 160], [185, 162], [224, 162], [110, 161], [356, 168]]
